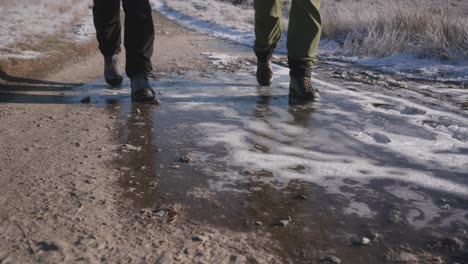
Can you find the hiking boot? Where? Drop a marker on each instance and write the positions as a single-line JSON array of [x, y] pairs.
[[141, 88], [112, 70], [300, 86], [264, 70]]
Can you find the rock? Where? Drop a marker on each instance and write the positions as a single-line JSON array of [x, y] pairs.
[[198, 238], [138, 111], [186, 159], [300, 197], [376, 237], [157, 102], [131, 147], [258, 223], [284, 222], [365, 241], [330, 259], [86, 100], [175, 166]]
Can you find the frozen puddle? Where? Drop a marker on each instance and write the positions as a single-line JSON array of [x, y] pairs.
[[349, 141], [394, 160]]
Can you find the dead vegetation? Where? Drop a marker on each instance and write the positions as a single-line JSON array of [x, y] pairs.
[[427, 28], [381, 28]]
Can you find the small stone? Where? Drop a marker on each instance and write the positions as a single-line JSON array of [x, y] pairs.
[[138, 111], [86, 100], [365, 241], [186, 159], [199, 238], [27, 149], [158, 102], [78, 145], [284, 222], [258, 223], [330, 259], [88, 181], [131, 147], [300, 197], [175, 166]]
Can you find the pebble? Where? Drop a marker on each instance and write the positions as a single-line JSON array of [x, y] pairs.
[[258, 223], [331, 259], [175, 166], [186, 159], [138, 111], [158, 102], [284, 222], [365, 241], [131, 147], [199, 238], [86, 100], [300, 197]]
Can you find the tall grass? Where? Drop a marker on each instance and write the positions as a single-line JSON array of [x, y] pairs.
[[429, 28], [381, 28]]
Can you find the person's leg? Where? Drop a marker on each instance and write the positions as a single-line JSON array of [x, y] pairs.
[[267, 25], [303, 39], [139, 37], [139, 41], [267, 36], [106, 14]]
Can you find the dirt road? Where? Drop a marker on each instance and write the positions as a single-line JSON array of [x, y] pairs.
[[227, 172], [60, 198]]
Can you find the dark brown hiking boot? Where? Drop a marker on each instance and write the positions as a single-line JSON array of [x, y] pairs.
[[300, 86], [141, 88], [112, 70], [264, 71]]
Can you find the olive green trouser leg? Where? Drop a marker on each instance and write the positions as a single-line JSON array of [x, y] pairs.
[[267, 25], [304, 28]]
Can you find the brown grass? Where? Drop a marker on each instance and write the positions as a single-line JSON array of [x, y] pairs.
[[381, 28], [430, 28]]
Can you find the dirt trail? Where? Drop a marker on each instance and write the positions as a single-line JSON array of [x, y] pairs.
[[61, 201]]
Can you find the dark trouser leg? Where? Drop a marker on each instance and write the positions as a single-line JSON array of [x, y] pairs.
[[107, 23], [139, 36], [267, 26], [304, 32]]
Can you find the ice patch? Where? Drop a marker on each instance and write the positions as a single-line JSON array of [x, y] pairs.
[[350, 136], [359, 209]]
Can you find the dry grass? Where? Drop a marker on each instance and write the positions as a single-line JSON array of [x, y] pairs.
[[381, 28], [430, 28]]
